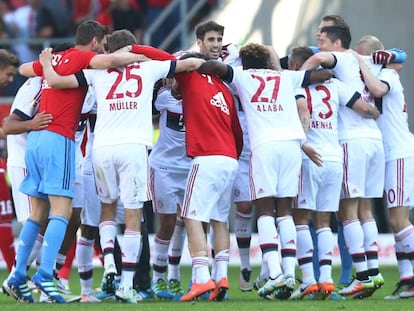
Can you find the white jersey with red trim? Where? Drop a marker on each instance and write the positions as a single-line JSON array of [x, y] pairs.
[[230, 55], [124, 98], [397, 139], [246, 151], [169, 152], [351, 124], [25, 105], [324, 101], [268, 101]]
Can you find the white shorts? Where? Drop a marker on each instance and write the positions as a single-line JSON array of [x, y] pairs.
[[122, 171], [120, 214], [209, 188], [320, 187], [22, 203], [91, 211], [364, 168], [167, 190], [399, 182], [275, 170], [241, 189], [78, 200]]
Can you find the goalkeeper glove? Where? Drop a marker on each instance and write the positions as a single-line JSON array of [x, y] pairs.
[[388, 56], [314, 49], [400, 55]]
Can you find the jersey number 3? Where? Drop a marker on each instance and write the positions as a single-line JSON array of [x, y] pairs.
[[325, 100]]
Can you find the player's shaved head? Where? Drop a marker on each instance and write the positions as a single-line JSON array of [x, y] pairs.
[[368, 44]]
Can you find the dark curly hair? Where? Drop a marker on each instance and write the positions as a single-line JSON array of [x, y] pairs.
[[255, 56]]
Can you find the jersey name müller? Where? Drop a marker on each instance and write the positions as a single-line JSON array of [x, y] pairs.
[[124, 98]]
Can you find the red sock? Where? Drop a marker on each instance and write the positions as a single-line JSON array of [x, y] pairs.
[[64, 272], [7, 244]]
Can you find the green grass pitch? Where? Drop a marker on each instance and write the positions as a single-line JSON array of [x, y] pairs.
[[238, 300]]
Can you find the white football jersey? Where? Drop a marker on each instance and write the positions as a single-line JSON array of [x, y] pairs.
[[268, 101], [351, 124], [324, 101], [169, 151], [397, 139], [124, 98], [25, 105], [246, 151]]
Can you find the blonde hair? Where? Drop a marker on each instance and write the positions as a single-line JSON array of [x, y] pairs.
[[369, 44]]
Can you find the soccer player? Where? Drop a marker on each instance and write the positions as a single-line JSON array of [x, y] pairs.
[[6, 218], [50, 160], [210, 182], [320, 186], [22, 119], [346, 261], [169, 166], [241, 192], [8, 67], [88, 202], [119, 155], [363, 163], [210, 42], [399, 158], [276, 135], [244, 207]]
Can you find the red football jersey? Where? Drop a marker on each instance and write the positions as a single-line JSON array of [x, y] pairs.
[[65, 105], [210, 116]]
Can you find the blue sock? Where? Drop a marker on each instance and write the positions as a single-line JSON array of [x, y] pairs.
[[25, 245], [346, 259], [53, 238], [315, 257]]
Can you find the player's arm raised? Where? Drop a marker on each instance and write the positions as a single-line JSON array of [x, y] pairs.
[[26, 70], [213, 67], [189, 64], [103, 61], [377, 87], [324, 59]]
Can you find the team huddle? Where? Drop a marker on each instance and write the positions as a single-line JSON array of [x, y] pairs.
[[320, 132]]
